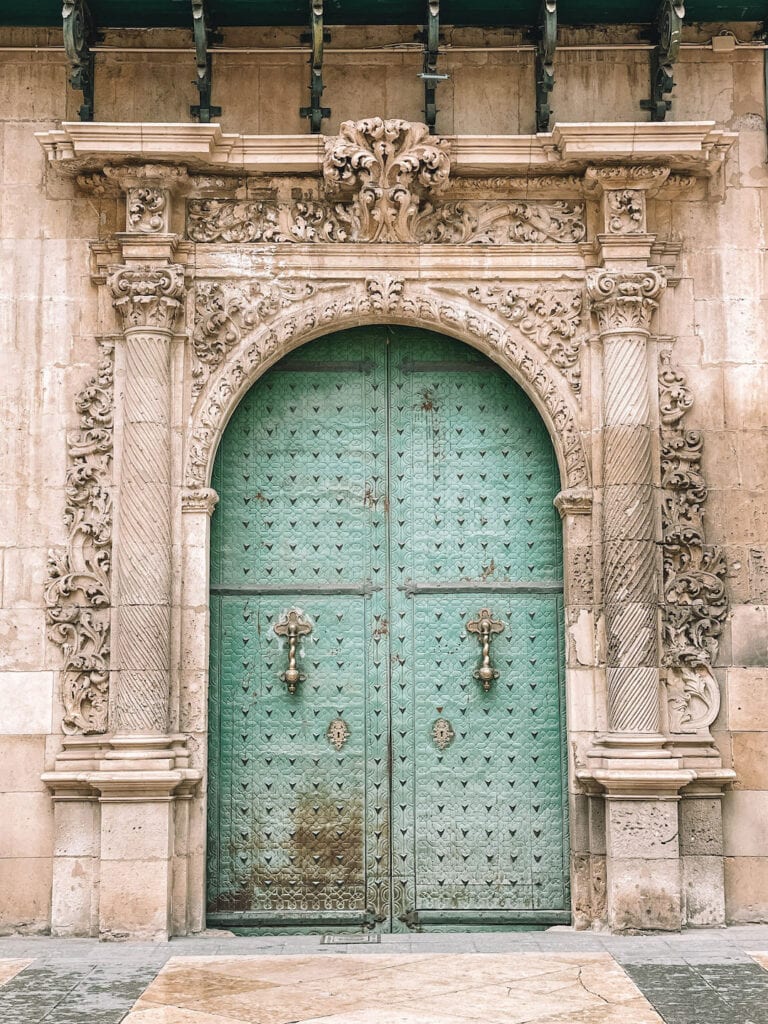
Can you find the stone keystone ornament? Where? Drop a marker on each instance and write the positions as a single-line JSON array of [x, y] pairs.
[[390, 165]]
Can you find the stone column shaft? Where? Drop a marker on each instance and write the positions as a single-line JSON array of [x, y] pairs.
[[148, 298], [624, 303]]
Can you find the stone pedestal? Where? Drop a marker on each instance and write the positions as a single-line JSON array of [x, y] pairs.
[[121, 835]]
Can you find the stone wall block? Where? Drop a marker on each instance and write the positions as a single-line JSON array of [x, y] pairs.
[[750, 759], [701, 826], [73, 905], [644, 894], [25, 701], [745, 823], [25, 894], [638, 828], [746, 889], [749, 635], [137, 831], [747, 690], [134, 900], [703, 891]]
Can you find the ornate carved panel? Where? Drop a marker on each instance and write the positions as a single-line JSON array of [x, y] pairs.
[[695, 603], [77, 591]]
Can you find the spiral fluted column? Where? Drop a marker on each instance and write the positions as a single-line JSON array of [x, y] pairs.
[[624, 304], [148, 298]]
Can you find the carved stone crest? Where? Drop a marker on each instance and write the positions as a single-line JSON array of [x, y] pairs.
[[77, 589], [390, 166]]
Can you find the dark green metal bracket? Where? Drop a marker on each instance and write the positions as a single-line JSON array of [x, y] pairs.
[[315, 112], [545, 67], [429, 73], [78, 36], [669, 27], [203, 110]]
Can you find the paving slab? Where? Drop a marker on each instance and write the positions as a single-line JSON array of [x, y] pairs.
[[554, 977]]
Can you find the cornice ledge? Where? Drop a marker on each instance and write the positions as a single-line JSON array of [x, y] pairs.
[[693, 145], [81, 146]]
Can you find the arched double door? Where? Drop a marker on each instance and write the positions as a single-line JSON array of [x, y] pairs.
[[386, 675]]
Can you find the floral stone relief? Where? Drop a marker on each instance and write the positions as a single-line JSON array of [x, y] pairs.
[[225, 312]]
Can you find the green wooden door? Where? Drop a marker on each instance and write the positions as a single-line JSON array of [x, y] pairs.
[[386, 486]]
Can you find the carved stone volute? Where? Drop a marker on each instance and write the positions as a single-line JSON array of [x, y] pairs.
[[147, 296], [625, 302]]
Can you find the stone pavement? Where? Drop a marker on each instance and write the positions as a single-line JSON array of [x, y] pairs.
[[552, 977]]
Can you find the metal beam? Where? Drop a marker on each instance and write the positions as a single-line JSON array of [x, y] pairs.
[[429, 73], [203, 110], [78, 36], [669, 27], [545, 67], [315, 111]]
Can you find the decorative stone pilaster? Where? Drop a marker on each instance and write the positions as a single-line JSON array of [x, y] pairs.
[[624, 304], [623, 192], [148, 298]]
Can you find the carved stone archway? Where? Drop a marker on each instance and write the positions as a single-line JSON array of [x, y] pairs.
[[335, 305]]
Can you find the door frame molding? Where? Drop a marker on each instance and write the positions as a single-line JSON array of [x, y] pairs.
[[193, 325]]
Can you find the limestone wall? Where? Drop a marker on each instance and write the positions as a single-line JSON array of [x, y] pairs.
[[48, 318]]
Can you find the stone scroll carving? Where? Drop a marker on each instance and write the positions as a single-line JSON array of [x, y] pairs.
[[147, 209], [382, 181], [77, 589], [225, 312], [377, 297], [551, 317], [695, 604], [451, 223]]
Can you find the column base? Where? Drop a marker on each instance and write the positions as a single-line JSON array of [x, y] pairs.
[[663, 834], [117, 810]]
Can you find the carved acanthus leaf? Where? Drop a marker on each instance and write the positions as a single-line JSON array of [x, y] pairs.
[[386, 154], [551, 317], [695, 603], [77, 589]]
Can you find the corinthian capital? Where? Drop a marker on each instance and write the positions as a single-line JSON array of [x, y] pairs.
[[625, 302], [147, 296]]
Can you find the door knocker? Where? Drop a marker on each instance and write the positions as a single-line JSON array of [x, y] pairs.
[[485, 626], [293, 625]]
